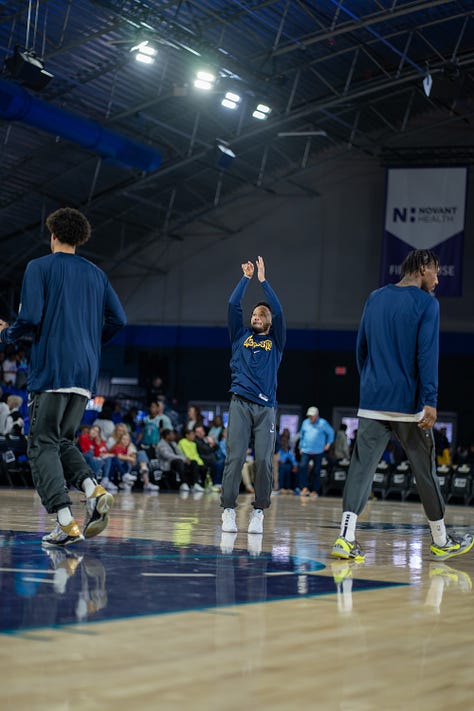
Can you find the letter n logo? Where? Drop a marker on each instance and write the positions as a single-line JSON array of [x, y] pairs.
[[399, 214]]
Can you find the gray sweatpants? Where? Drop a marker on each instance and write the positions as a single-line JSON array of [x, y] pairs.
[[248, 420], [54, 458], [372, 439]]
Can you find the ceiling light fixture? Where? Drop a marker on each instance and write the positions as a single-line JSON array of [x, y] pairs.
[[285, 134], [262, 112], [144, 52], [231, 100], [204, 80]]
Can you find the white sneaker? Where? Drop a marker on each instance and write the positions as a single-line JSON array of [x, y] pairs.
[[184, 487], [198, 487], [227, 542], [129, 478], [107, 484], [151, 487], [254, 545], [256, 521], [228, 521]]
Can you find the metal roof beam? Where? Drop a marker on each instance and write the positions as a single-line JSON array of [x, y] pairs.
[[362, 23]]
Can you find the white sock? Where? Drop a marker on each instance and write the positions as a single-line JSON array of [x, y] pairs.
[[438, 532], [348, 525], [89, 486], [64, 516]]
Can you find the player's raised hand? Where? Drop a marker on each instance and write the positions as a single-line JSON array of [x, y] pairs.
[[260, 269], [248, 269]]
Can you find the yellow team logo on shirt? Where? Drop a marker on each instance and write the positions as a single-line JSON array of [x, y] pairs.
[[251, 343]]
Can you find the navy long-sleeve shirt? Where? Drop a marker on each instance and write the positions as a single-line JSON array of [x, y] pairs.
[[70, 309], [397, 350], [255, 357]]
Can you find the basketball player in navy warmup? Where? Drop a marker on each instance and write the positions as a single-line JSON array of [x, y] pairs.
[[256, 355], [397, 357], [69, 309]]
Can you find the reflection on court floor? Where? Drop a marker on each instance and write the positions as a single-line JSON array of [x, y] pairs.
[[110, 579]]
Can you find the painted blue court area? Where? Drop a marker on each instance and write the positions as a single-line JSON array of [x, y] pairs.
[[110, 579]]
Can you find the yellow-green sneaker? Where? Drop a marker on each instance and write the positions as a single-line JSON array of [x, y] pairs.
[[454, 546], [454, 578], [347, 550]]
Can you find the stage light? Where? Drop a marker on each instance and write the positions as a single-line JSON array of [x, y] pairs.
[[144, 52], [225, 156], [204, 80], [262, 112], [28, 69], [427, 84], [231, 100]]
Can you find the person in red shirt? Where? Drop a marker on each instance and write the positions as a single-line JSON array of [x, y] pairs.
[[84, 441], [95, 452]]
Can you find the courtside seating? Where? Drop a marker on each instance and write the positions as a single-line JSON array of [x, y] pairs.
[[445, 474], [337, 477], [412, 490], [399, 480], [14, 467], [461, 484], [381, 481], [324, 477]]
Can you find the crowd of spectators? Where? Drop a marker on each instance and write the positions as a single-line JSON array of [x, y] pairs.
[[164, 448]]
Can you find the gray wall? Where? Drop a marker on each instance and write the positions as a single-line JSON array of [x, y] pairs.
[[322, 253]]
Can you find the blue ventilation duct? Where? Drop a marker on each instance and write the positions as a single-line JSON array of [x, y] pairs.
[[16, 104]]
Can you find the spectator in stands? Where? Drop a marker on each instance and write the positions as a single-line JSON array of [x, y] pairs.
[[287, 467], [207, 448], [221, 455], [105, 421], [443, 446], [150, 435], [130, 419], [189, 448], [223, 442], [176, 467], [171, 412], [64, 365], [156, 389], [2, 360], [119, 430], [22, 369], [164, 421], [194, 417], [10, 367], [95, 452], [84, 441], [216, 428], [4, 412], [124, 459], [117, 413], [341, 445], [316, 437], [141, 457], [15, 425]]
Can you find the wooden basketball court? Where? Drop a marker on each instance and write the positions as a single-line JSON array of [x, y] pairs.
[[163, 612]]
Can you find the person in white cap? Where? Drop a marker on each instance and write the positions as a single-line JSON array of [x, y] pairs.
[[315, 438]]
